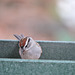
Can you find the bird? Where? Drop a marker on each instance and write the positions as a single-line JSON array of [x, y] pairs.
[[28, 48]]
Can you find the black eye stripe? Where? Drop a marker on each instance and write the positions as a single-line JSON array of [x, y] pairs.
[[28, 40]]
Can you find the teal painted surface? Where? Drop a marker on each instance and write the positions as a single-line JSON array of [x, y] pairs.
[[58, 58], [52, 50], [58, 50], [36, 67], [9, 49]]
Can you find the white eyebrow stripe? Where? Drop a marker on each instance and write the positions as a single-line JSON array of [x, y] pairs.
[[26, 42]]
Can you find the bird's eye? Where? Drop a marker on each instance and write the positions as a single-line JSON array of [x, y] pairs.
[[22, 47], [26, 46]]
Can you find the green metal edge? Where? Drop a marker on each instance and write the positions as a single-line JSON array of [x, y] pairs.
[[40, 60]]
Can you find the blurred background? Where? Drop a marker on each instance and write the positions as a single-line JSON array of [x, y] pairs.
[[40, 19]]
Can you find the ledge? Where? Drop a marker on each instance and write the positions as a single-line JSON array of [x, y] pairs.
[[58, 58]]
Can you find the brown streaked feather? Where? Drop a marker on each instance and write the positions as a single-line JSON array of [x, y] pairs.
[[22, 35], [22, 42], [17, 36]]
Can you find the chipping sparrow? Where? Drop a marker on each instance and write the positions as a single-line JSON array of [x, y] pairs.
[[29, 49]]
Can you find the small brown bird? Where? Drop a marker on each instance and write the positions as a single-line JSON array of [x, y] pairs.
[[29, 49]]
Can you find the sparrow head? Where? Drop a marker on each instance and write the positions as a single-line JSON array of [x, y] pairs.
[[24, 42]]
